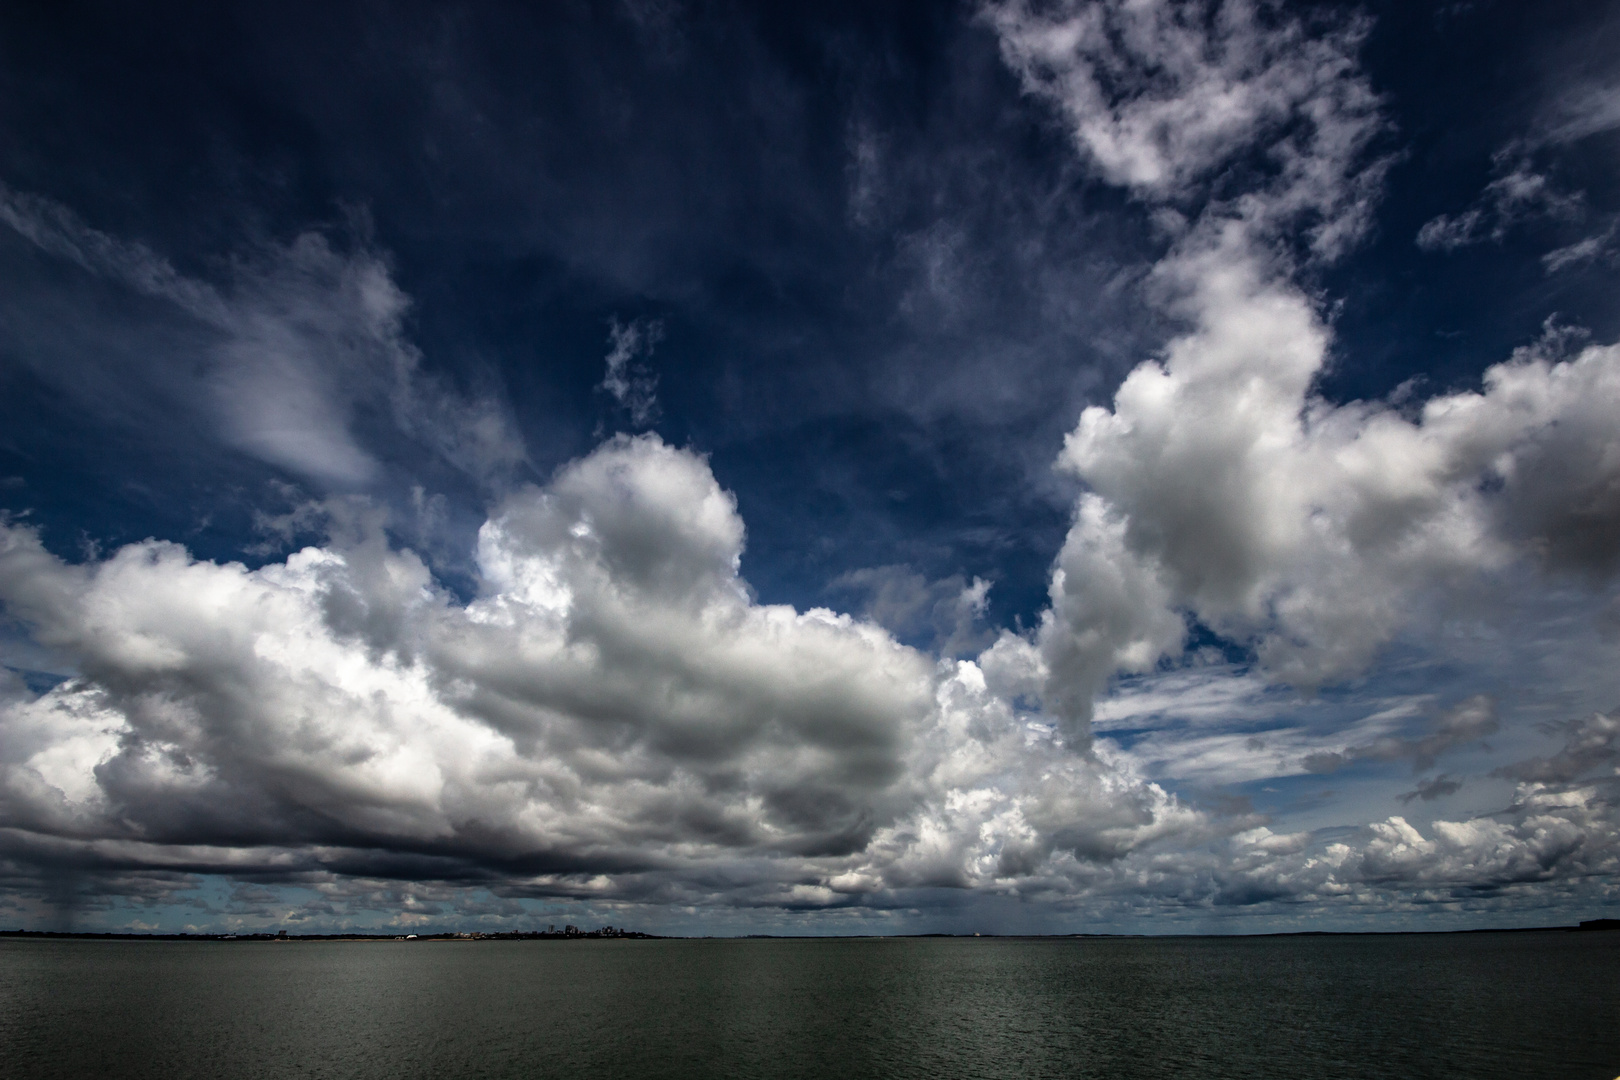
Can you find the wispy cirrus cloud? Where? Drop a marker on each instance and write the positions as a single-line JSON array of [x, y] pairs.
[[302, 339], [1524, 189], [628, 380], [1519, 193], [1463, 723]]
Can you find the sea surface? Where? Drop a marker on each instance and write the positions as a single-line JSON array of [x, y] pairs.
[[1475, 1006]]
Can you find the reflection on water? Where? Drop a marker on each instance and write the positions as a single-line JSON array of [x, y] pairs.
[[1476, 1006]]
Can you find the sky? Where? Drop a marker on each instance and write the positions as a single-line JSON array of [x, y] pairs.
[[719, 468]]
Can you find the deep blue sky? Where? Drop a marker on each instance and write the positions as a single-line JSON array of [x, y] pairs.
[[537, 172], [873, 273]]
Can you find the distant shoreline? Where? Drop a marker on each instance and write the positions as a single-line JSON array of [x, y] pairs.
[[122, 935], [69, 935]]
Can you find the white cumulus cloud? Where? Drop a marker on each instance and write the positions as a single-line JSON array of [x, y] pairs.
[[1221, 486], [613, 713]]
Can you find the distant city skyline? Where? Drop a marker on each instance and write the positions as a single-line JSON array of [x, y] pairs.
[[879, 468]]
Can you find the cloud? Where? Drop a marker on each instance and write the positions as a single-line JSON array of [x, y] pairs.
[[1445, 233], [614, 720], [1590, 744], [1557, 836], [1580, 111], [1518, 194], [305, 339], [1567, 837], [948, 613], [1553, 839], [1172, 101], [1234, 730], [1280, 518], [630, 383], [612, 716], [1524, 189], [1222, 489], [1556, 825], [1463, 723], [1436, 787], [1584, 250], [1197, 696]]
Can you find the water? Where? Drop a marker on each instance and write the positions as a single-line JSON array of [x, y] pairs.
[[1474, 1006]]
